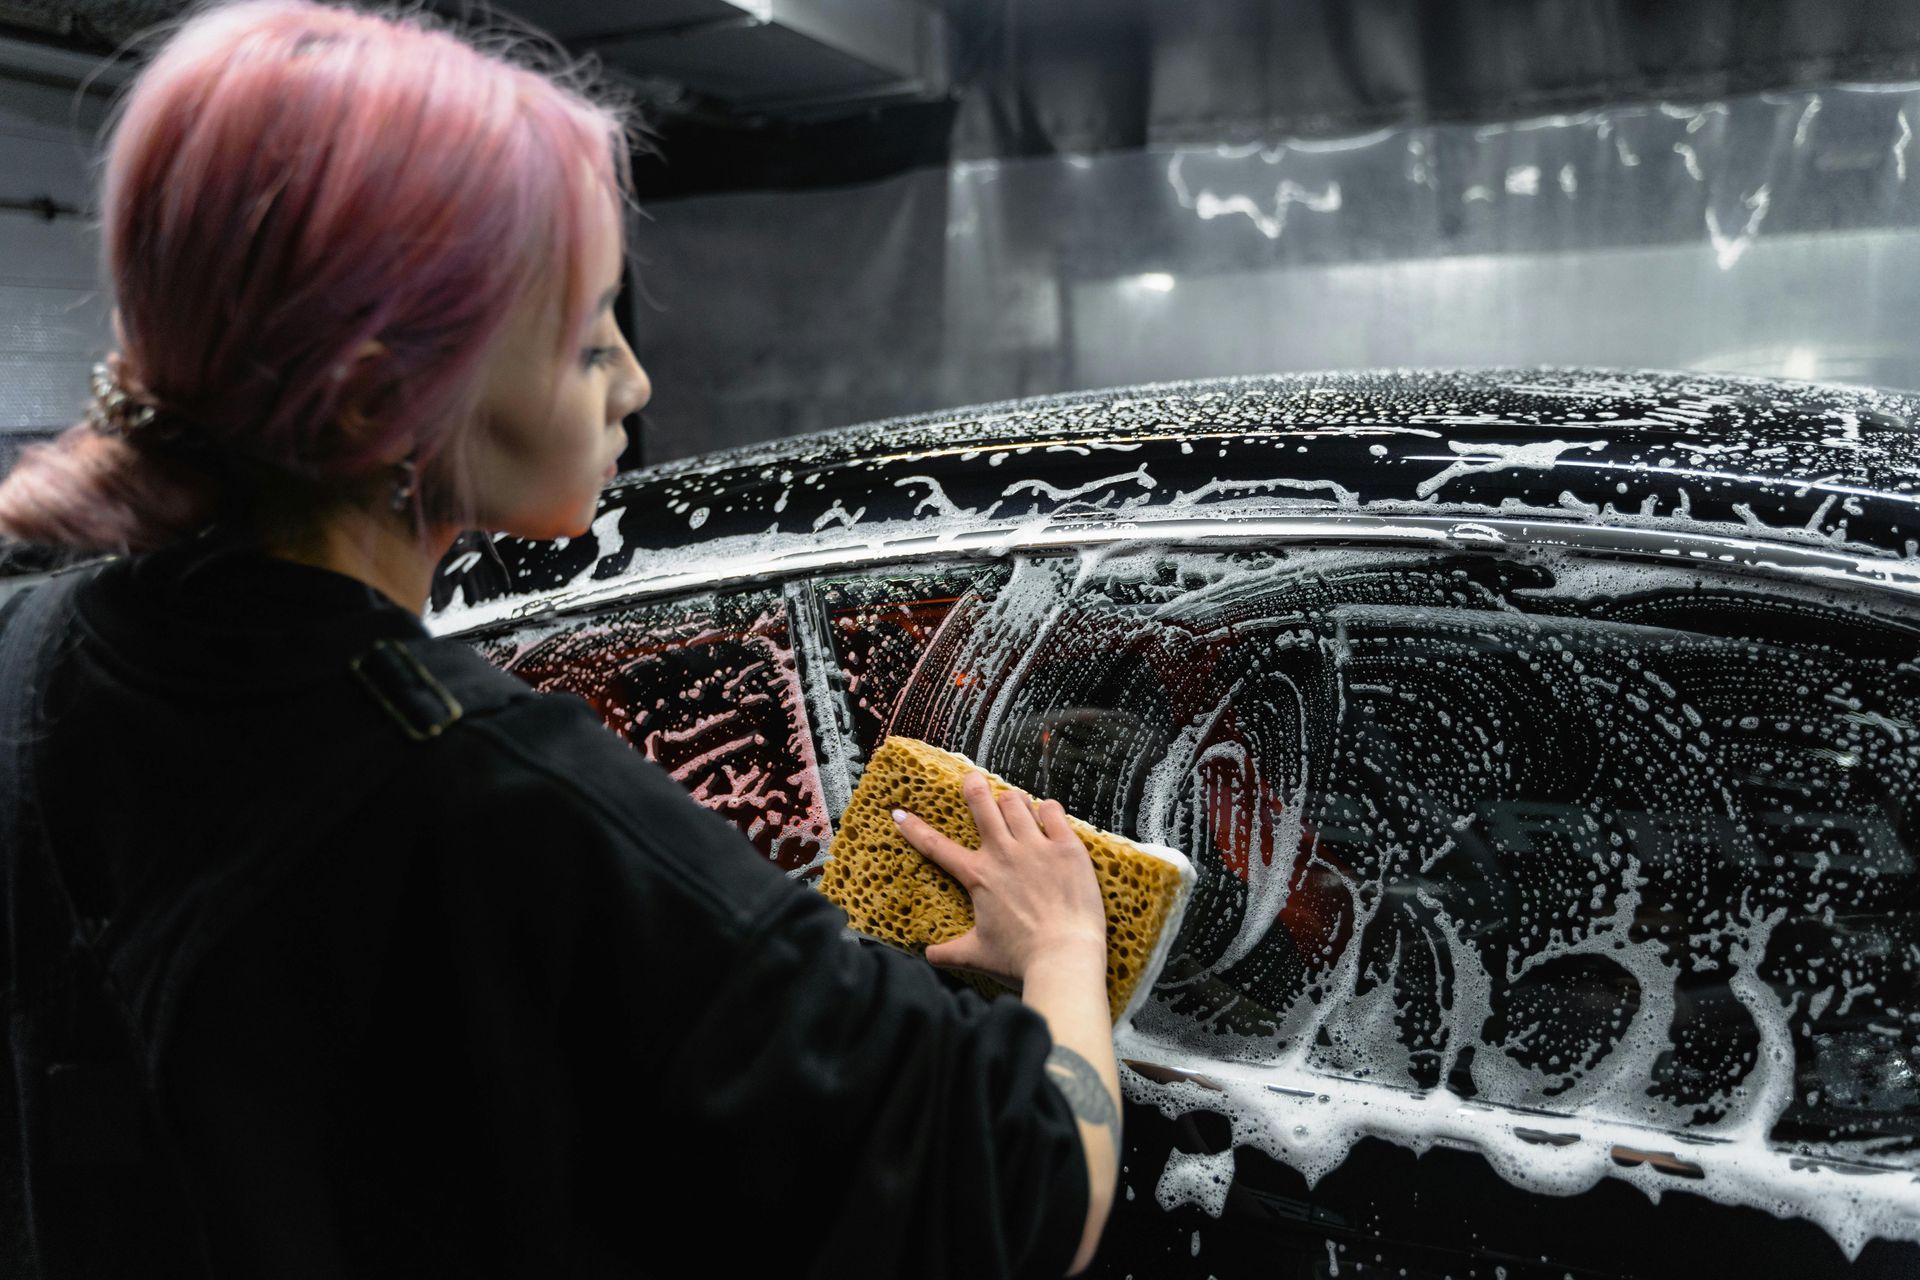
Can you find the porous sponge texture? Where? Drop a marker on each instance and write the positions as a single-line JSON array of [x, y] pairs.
[[891, 893]]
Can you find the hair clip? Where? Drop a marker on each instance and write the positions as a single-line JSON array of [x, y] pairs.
[[113, 410]]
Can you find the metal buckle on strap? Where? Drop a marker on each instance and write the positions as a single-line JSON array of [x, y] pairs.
[[406, 690]]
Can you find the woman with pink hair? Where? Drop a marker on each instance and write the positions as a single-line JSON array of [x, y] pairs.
[[330, 950]]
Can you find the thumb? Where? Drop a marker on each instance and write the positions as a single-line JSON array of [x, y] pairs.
[[938, 848], [957, 953]]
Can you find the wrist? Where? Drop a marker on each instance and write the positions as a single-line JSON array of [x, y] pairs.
[[1070, 953]]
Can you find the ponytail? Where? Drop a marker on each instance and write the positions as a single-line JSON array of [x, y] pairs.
[[97, 492]]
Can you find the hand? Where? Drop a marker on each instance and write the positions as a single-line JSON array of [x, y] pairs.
[[1032, 884]]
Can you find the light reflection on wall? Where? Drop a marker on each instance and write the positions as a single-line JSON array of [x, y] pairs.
[[1817, 307], [1771, 234]]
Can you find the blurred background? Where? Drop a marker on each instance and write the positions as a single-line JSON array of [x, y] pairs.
[[861, 208]]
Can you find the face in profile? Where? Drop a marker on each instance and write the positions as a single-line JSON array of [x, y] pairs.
[[550, 430]]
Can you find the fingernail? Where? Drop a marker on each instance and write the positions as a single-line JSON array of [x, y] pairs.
[[899, 815]]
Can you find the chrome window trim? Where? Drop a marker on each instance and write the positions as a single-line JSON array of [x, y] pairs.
[[725, 568]]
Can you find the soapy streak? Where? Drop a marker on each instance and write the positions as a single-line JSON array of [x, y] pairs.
[[936, 496], [1344, 496], [1310, 1121], [1541, 455], [1138, 475]]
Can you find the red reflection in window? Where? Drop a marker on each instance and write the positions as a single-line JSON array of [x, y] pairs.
[[707, 690]]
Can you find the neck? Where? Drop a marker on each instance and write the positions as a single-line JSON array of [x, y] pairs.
[[378, 548]]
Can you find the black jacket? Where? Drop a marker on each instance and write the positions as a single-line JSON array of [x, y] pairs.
[[508, 1002]]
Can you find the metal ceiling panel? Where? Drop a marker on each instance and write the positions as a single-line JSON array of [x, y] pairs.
[[762, 68], [892, 35], [575, 20], [770, 56]]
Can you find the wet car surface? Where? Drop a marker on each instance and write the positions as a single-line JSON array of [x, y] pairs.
[[1544, 742]]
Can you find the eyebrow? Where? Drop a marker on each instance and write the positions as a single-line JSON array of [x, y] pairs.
[[606, 299]]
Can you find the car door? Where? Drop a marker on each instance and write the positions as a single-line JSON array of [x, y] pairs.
[[1594, 867], [1532, 885]]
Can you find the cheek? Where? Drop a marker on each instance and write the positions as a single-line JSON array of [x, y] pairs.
[[542, 488], [534, 450]]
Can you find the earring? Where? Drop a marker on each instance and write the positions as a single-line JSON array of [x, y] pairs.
[[403, 484]]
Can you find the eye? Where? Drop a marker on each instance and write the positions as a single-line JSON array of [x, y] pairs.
[[598, 357]]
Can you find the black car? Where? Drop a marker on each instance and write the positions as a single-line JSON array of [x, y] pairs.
[[1544, 742]]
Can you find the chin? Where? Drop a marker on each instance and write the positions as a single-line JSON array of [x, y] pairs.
[[562, 524]]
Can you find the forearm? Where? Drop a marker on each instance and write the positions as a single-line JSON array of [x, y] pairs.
[[1039, 921], [1069, 990]]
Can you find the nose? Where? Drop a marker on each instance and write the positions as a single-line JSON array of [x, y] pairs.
[[635, 390], [630, 397]]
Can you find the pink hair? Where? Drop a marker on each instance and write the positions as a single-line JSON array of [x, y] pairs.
[[284, 183]]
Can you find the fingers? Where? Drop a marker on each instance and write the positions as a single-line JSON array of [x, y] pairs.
[[1052, 817], [987, 813], [1016, 810], [944, 852]]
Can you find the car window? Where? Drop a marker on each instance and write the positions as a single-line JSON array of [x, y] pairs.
[[706, 688], [1559, 833], [880, 626]]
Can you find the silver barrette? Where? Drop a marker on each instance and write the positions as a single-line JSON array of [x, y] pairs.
[[114, 411]]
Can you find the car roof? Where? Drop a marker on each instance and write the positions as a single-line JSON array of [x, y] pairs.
[[1763, 463]]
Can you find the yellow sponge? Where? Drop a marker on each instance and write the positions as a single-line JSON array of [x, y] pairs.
[[893, 894]]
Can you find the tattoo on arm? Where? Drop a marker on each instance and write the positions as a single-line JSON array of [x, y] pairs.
[[1085, 1092]]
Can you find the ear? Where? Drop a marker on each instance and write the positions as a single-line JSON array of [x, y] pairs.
[[366, 382]]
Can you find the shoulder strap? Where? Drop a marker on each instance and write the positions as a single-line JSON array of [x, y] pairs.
[[425, 686], [34, 895], [92, 1183], [32, 904]]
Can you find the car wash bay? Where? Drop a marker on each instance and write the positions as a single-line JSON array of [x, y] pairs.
[[855, 209]]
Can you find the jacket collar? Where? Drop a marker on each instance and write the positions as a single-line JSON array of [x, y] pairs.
[[219, 618]]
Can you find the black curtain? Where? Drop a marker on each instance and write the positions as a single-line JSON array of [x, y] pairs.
[[1042, 77]]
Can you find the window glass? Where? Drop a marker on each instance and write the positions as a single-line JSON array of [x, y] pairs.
[[1558, 833], [704, 687], [881, 625]]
